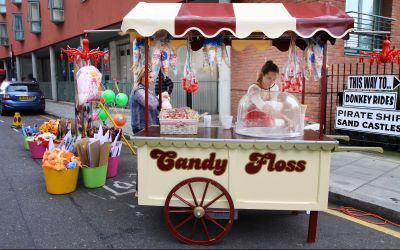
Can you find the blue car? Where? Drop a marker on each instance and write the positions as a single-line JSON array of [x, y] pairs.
[[21, 96]]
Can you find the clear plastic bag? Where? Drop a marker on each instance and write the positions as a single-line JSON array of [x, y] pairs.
[[292, 73], [88, 84]]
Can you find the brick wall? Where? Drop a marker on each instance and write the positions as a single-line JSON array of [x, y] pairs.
[[245, 64]]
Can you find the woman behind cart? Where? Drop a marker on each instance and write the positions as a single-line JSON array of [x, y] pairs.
[[137, 103], [257, 112]]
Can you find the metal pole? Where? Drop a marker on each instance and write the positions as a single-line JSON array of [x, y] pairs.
[[146, 86], [303, 91], [160, 81], [323, 95]]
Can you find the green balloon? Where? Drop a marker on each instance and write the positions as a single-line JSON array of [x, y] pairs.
[[101, 114], [108, 95], [121, 99]]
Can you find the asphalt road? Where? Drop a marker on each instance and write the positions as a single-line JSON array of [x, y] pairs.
[[109, 217]]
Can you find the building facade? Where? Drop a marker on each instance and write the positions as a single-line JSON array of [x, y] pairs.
[[34, 31], [343, 56]]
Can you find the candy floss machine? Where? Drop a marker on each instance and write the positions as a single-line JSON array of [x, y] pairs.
[[270, 114]]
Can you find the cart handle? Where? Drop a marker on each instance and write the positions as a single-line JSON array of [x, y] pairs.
[[340, 137], [356, 148]]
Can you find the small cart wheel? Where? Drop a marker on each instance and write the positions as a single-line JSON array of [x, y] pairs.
[[193, 223]]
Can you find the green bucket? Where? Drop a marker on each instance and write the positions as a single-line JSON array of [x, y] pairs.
[[94, 177], [25, 142]]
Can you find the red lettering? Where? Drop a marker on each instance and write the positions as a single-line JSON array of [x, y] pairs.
[[181, 163], [194, 163], [165, 160], [280, 166], [301, 166], [208, 163], [220, 167], [271, 157], [255, 164], [291, 166]]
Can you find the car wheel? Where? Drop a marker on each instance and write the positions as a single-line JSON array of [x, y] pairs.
[[3, 112]]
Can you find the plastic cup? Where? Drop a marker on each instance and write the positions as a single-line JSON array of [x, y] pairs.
[[226, 121], [94, 177], [112, 169], [207, 121], [60, 182], [37, 151]]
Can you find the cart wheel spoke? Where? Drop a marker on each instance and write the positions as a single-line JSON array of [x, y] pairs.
[[185, 211], [194, 196], [183, 200], [215, 222], [194, 228], [205, 228], [214, 200], [204, 193], [184, 219], [184, 222], [217, 211]]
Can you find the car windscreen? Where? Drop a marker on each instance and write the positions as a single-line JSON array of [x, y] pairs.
[[23, 88]]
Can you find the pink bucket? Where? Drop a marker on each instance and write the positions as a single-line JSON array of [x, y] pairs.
[[37, 151], [112, 169]]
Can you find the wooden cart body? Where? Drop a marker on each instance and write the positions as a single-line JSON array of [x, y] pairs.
[[290, 174]]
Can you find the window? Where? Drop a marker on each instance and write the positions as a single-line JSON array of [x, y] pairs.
[[368, 17], [23, 88], [18, 27], [16, 1], [34, 16], [56, 10], [3, 8], [3, 34]]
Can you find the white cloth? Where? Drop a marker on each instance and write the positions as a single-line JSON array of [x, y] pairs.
[[254, 92]]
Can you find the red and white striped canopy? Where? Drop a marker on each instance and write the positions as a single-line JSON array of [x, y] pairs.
[[240, 19]]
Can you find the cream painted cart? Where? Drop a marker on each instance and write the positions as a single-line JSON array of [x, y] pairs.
[[200, 180]]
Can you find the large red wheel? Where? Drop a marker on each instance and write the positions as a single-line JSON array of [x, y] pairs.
[[195, 221]]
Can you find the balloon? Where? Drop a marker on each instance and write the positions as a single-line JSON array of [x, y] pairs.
[[101, 114], [119, 120], [121, 99], [108, 96]]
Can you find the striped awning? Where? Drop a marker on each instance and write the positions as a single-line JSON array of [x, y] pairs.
[[240, 19]]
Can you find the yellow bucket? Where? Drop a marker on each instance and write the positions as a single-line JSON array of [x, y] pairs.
[[61, 182]]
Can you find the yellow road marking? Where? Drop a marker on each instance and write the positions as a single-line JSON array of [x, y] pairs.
[[366, 224]]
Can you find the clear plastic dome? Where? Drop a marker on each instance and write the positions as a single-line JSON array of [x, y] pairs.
[[270, 114]]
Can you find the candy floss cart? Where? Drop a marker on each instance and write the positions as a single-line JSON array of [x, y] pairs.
[[267, 161]]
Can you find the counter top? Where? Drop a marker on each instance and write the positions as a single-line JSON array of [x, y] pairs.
[[218, 134]]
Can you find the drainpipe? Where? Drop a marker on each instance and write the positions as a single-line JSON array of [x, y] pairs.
[[34, 66], [6, 68], [18, 68], [53, 73]]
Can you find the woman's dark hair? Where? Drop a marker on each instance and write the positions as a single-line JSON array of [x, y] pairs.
[[269, 66]]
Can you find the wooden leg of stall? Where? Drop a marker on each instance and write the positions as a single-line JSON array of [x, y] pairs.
[[312, 227]]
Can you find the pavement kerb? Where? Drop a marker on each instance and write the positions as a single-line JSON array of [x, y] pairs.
[[362, 203]]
